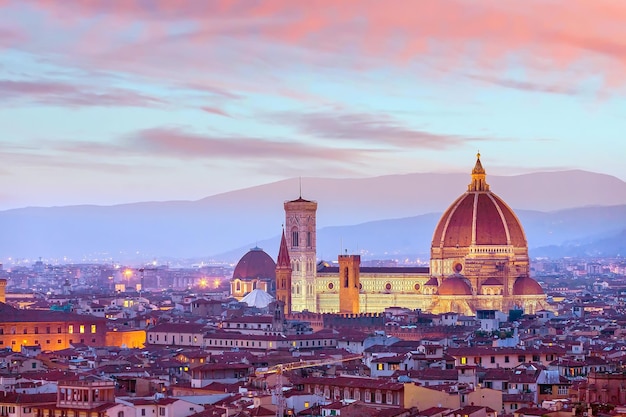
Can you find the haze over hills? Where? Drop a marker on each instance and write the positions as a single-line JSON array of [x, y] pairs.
[[352, 214]]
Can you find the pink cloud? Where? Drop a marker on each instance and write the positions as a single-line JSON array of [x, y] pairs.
[[11, 37], [377, 129], [179, 143], [174, 142], [527, 86], [214, 110], [544, 36], [63, 94]]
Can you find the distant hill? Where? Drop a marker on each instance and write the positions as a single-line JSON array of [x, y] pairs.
[[217, 224], [574, 232]]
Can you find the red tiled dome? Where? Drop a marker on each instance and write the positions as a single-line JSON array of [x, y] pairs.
[[525, 285], [255, 264], [454, 285], [478, 217]]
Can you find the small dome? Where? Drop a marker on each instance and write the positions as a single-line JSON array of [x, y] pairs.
[[255, 264], [257, 298], [455, 285], [525, 285]]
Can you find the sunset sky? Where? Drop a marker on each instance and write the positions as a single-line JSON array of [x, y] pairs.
[[105, 102]]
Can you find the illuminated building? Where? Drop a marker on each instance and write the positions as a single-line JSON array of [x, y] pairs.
[[255, 270], [52, 330], [479, 260]]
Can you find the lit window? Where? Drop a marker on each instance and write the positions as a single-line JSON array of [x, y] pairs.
[[463, 360], [93, 328], [82, 328], [306, 404], [70, 328]]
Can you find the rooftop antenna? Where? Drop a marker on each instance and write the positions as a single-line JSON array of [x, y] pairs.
[[300, 182]]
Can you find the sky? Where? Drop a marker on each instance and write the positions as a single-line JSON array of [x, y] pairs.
[[113, 101]]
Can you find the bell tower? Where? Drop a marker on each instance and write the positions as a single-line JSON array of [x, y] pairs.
[[301, 238], [349, 285]]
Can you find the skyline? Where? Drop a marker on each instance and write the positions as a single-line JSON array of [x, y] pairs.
[[153, 101]]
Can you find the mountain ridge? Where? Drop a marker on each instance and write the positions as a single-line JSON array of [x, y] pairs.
[[216, 224]]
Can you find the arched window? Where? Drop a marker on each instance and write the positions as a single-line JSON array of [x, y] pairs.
[[345, 278], [295, 238], [237, 285]]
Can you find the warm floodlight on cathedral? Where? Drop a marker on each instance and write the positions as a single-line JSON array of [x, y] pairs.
[[478, 261]]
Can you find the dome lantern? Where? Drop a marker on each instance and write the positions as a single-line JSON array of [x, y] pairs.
[[479, 177]]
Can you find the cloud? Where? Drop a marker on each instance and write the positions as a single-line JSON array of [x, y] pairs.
[[214, 110], [218, 35], [378, 130], [11, 37], [178, 143], [63, 94], [175, 142], [528, 86]]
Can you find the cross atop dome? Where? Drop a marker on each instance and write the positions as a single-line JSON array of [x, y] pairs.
[[479, 177]]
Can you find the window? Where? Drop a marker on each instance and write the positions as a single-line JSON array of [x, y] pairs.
[[120, 414], [463, 360], [143, 411], [58, 330], [36, 330], [161, 411], [70, 328], [506, 359], [380, 366], [58, 341], [48, 330], [34, 365], [25, 330], [379, 396], [294, 238], [521, 358], [82, 328], [93, 328], [309, 241]]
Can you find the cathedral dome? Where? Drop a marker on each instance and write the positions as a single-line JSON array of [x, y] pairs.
[[255, 264], [478, 217], [455, 285], [525, 285]]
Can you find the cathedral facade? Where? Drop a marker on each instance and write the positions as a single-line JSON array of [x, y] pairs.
[[478, 261]]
